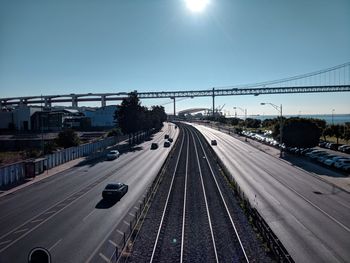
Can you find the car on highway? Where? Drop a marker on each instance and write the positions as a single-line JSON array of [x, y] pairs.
[[166, 136], [154, 146], [214, 142], [170, 139], [114, 191], [166, 144], [111, 155]]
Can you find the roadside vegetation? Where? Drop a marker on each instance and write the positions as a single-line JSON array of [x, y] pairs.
[[138, 121]]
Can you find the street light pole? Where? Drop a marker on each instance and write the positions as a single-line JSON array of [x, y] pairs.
[[333, 116], [245, 117], [279, 109]]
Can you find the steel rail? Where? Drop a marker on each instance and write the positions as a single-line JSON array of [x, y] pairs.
[[167, 200], [223, 199], [205, 199]]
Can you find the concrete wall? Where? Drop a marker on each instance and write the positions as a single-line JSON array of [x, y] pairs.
[[15, 173]]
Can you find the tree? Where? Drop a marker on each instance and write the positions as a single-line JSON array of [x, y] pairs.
[[252, 123], [67, 138], [128, 115], [236, 121], [133, 118], [299, 132]]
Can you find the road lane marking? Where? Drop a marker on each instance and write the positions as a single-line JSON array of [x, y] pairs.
[[21, 230], [37, 220], [50, 249], [35, 227], [50, 212], [4, 242], [126, 223], [113, 243], [133, 215], [89, 215], [120, 232], [136, 207], [104, 257]]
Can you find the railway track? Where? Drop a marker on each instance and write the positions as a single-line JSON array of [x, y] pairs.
[[191, 221]]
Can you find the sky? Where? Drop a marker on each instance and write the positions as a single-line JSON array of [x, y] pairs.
[[74, 46]]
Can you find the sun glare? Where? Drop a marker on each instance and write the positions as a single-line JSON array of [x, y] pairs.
[[196, 5]]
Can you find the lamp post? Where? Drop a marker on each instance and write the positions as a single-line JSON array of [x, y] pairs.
[[245, 117], [279, 109], [243, 110], [333, 116]]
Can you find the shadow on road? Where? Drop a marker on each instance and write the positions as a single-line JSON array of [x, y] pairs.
[[105, 204], [312, 167]]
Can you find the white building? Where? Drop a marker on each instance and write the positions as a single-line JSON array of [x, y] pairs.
[[101, 117]]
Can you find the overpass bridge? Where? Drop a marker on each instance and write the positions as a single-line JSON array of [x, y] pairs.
[[335, 79]]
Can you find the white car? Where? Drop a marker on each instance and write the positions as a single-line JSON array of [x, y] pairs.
[[113, 155]]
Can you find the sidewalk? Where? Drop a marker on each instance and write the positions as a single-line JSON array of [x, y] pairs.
[[44, 175]]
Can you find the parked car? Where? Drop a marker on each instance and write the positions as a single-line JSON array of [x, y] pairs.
[[166, 136], [313, 152], [114, 191], [342, 162], [166, 144], [346, 168], [214, 142], [331, 161], [154, 146], [111, 155], [322, 158]]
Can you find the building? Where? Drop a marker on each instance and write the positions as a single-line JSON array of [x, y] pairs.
[[101, 117]]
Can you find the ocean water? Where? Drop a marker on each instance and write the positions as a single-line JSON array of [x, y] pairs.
[[336, 118]]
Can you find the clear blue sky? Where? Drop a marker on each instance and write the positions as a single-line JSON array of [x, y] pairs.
[[67, 46]]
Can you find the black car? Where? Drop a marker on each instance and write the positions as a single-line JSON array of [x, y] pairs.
[[170, 139], [214, 142], [114, 191], [154, 146], [166, 144]]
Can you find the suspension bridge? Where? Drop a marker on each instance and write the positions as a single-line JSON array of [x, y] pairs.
[[334, 79]]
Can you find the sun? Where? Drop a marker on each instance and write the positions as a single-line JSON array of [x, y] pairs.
[[196, 5]]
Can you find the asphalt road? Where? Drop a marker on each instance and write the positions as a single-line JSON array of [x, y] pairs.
[[309, 216], [65, 213]]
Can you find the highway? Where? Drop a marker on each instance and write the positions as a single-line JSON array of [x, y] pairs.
[[65, 213], [309, 216]]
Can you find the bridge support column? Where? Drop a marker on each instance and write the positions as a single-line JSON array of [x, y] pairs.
[[213, 102], [103, 101], [47, 102], [74, 101], [174, 106]]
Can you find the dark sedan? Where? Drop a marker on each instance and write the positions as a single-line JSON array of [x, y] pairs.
[[114, 191]]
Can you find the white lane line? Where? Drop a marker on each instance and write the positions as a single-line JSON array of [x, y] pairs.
[[136, 207], [5, 242], [120, 232], [104, 257], [20, 231], [126, 223], [38, 225], [89, 215], [133, 215], [140, 202], [113, 243], [50, 212], [50, 249], [37, 220]]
